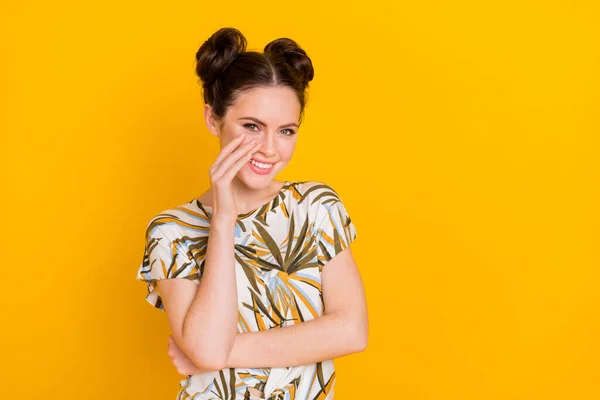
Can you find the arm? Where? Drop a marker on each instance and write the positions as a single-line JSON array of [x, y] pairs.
[[203, 319], [342, 330]]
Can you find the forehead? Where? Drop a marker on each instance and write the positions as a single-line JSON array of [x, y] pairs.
[[273, 105]]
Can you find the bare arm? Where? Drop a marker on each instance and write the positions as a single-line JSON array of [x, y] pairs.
[[342, 330], [204, 319]]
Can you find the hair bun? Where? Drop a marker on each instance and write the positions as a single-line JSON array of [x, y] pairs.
[[294, 56], [218, 52]]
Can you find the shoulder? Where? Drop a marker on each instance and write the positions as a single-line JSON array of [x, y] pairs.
[[316, 199], [173, 223], [158, 227], [316, 192]]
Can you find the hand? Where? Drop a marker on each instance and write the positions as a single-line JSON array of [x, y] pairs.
[[181, 361], [228, 163]]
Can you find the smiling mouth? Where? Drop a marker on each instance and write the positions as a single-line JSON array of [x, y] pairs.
[[260, 168], [261, 165]]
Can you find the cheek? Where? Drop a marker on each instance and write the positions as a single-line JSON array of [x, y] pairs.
[[229, 136], [286, 150]]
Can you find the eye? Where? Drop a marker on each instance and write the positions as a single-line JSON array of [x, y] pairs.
[[291, 132], [247, 125]]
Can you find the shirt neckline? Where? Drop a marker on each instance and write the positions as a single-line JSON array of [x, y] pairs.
[[266, 207]]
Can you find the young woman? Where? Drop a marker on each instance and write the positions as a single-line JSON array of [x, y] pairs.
[[255, 275]]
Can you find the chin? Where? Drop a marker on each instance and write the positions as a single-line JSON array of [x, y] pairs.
[[254, 180]]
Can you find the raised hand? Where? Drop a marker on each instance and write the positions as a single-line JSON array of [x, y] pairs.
[[228, 163]]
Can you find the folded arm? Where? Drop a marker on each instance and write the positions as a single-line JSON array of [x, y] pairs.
[[342, 330], [203, 318]]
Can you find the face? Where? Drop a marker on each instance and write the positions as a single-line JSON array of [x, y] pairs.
[[269, 115]]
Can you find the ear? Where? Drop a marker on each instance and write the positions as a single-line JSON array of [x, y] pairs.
[[211, 122]]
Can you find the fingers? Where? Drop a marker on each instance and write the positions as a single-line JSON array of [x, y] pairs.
[[229, 148], [239, 164], [235, 161]]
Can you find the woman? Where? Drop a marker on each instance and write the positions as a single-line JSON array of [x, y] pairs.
[[249, 254]]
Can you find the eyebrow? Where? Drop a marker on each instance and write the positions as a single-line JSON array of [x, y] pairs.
[[259, 122]]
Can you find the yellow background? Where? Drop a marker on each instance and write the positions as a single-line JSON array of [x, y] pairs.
[[461, 135]]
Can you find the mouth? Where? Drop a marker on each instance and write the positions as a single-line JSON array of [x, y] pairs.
[[260, 167]]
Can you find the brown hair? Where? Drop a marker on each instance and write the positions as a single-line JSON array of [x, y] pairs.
[[227, 70]]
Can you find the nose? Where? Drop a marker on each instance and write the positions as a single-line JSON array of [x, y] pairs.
[[268, 145]]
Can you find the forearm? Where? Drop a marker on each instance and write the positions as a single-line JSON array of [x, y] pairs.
[[210, 323], [323, 338]]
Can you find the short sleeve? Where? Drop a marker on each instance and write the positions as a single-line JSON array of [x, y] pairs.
[[335, 230], [165, 257]]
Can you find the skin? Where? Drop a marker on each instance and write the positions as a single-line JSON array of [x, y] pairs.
[[203, 318]]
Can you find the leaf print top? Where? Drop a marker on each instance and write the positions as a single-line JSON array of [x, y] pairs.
[[280, 251]]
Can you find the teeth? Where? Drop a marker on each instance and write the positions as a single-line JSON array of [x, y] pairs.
[[261, 165]]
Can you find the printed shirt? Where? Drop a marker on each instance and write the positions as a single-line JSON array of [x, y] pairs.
[[281, 249]]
